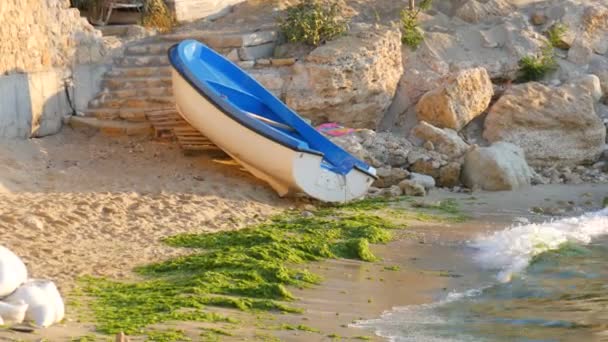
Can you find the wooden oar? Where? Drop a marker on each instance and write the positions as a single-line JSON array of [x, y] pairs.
[[271, 122]]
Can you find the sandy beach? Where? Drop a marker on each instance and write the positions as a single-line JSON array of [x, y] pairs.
[[74, 205]]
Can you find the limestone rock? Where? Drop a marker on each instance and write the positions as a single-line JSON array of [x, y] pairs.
[[427, 166], [426, 181], [392, 191], [538, 18], [445, 141], [501, 166], [461, 98], [449, 175], [377, 149], [475, 11], [412, 188], [388, 176], [553, 125], [350, 80], [599, 67]]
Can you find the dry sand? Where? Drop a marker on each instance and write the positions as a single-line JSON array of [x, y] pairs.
[[73, 204]]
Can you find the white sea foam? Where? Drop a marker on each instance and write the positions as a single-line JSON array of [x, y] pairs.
[[511, 250], [410, 323]]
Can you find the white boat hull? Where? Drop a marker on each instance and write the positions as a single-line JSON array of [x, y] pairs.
[[284, 169]]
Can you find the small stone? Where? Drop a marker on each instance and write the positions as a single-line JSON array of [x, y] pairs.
[[283, 61], [393, 191], [427, 166], [429, 145], [412, 188], [538, 18], [121, 337], [233, 55], [263, 62], [388, 177], [307, 214], [246, 64]]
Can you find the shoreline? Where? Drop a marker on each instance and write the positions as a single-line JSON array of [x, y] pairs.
[[434, 260]]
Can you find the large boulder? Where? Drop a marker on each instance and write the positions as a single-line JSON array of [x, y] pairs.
[[475, 11], [557, 126], [350, 80], [445, 141], [458, 100], [501, 166]]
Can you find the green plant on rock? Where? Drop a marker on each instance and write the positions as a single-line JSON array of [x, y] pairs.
[[534, 68], [156, 15], [555, 34], [411, 33], [313, 22]]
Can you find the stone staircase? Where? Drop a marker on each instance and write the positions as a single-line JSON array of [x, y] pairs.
[[137, 94]]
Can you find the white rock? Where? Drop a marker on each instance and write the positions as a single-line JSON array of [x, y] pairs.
[[427, 182], [45, 305], [12, 271], [501, 166]]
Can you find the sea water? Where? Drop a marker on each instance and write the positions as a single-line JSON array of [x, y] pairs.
[[549, 283]]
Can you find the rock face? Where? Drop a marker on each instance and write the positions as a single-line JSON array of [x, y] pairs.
[[461, 98], [445, 141], [39, 34], [350, 80], [501, 166], [553, 125]]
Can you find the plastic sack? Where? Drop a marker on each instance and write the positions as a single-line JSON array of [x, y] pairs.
[[12, 272], [12, 313], [45, 305]]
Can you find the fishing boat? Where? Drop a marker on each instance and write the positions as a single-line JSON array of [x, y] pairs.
[[260, 132]]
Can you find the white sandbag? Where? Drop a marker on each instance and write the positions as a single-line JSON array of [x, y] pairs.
[[45, 306], [12, 272], [12, 313]]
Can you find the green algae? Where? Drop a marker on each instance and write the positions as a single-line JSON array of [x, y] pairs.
[[392, 268], [169, 335], [249, 270], [300, 327]]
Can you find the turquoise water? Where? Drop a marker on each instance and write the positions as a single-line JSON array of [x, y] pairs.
[[550, 284]]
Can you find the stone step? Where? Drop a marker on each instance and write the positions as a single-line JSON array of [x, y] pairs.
[[149, 49], [128, 114], [142, 61], [111, 127], [119, 83], [139, 72], [131, 92], [135, 102], [116, 30], [223, 40]]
